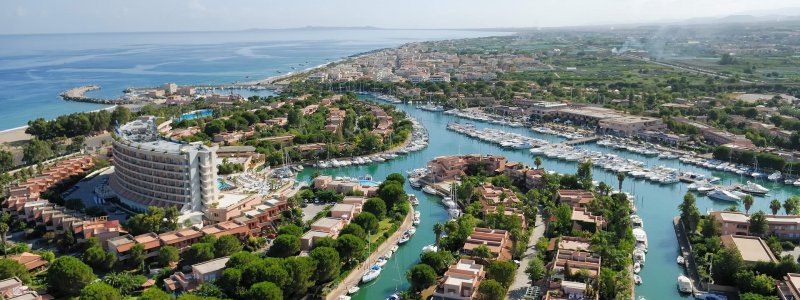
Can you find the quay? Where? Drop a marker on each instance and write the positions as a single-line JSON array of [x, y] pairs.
[[581, 141]]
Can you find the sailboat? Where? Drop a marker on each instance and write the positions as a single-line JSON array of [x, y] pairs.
[[373, 272]]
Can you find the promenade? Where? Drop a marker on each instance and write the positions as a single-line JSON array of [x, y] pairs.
[[354, 277]]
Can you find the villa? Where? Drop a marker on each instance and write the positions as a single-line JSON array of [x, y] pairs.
[[461, 281]]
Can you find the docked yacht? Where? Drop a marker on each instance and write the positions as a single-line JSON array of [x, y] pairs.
[[720, 194], [371, 275], [381, 261], [641, 238], [429, 190], [636, 221], [754, 188], [413, 199], [685, 284]]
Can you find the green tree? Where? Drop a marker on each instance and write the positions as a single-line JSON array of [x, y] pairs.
[[349, 247], [100, 291], [421, 277], [490, 289], [265, 290], [790, 205], [482, 251], [584, 174], [535, 269], [126, 283], [137, 255], [227, 245], [67, 276], [711, 228], [231, 281], [758, 224], [375, 206], [285, 245], [690, 215], [121, 115], [328, 263], [438, 229], [620, 179], [290, 229], [167, 255], [354, 229], [301, 274], [396, 177], [727, 263], [748, 203], [775, 206], [155, 293], [502, 271], [96, 257], [6, 160], [440, 261], [37, 151], [392, 192], [537, 162], [3, 231], [11, 268], [367, 221], [198, 252]]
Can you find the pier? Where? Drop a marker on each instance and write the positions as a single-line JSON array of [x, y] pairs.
[[581, 141], [78, 94]]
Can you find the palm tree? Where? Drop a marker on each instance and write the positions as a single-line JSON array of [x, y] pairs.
[[775, 206], [3, 231], [537, 162], [438, 228], [748, 203], [790, 206], [620, 179]]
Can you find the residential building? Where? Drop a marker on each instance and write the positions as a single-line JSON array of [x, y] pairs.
[[575, 198], [181, 239], [496, 240], [461, 281], [738, 223], [753, 249], [628, 126], [149, 171], [589, 262], [202, 272], [32, 262], [789, 287]]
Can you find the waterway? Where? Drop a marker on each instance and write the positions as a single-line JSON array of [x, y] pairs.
[[657, 204]]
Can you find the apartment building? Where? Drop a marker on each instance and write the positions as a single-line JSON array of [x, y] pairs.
[[575, 198], [150, 171], [738, 223], [325, 227], [202, 272], [497, 240], [753, 249], [789, 287], [628, 126], [326, 182], [721, 137], [461, 281], [491, 195], [577, 260]]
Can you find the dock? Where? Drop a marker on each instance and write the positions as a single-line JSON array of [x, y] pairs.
[[78, 94], [581, 141]]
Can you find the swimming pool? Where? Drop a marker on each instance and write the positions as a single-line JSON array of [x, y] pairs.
[[195, 114], [223, 185], [368, 182]]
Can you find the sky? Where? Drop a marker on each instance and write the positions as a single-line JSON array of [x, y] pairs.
[[79, 16]]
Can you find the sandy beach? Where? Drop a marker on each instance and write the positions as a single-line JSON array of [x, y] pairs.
[[13, 135]]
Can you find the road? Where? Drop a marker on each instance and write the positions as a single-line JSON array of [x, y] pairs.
[[521, 282]]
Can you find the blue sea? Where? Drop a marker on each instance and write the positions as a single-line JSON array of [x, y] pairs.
[[34, 69]]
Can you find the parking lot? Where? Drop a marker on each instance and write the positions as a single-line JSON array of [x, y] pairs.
[[312, 210], [84, 191]]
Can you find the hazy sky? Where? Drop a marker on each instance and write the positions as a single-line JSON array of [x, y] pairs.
[[53, 16]]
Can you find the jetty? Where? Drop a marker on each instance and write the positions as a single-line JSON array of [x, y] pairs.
[[581, 141], [78, 94]]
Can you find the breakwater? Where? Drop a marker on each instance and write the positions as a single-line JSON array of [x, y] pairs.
[[78, 94]]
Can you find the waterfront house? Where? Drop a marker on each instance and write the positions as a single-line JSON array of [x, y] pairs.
[[753, 249], [497, 240], [202, 272], [461, 281], [738, 223], [575, 198]]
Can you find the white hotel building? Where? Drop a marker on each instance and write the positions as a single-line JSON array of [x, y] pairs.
[[152, 171]]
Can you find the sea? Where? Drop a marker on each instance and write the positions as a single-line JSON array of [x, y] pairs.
[[34, 69]]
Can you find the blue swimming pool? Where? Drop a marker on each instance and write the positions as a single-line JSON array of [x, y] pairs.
[[368, 182], [223, 185], [195, 114]]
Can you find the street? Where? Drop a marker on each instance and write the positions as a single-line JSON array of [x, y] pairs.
[[521, 282]]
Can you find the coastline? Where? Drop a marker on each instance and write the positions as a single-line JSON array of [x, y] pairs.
[[17, 134]]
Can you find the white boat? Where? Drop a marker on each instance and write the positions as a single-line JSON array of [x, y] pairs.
[[723, 195], [413, 182], [639, 256], [775, 176], [641, 238], [685, 284], [429, 190], [636, 221], [413, 199], [353, 290], [680, 260], [394, 297], [637, 279], [753, 188], [411, 231], [637, 268], [372, 274], [381, 261], [430, 248], [404, 239]]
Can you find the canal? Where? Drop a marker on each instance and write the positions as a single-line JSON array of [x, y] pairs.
[[656, 203]]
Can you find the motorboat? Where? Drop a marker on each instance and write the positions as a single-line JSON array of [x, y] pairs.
[[430, 248], [413, 199], [636, 221], [411, 231], [681, 260], [639, 256], [641, 238], [371, 274], [637, 279], [353, 290], [394, 297], [754, 188], [685, 284], [429, 190], [404, 239], [720, 194], [449, 203], [381, 261], [413, 182], [775, 176], [637, 267]]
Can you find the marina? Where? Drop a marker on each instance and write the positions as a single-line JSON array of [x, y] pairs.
[[656, 203]]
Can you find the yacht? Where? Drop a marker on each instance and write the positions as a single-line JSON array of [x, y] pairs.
[[404, 238], [414, 183], [685, 284], [641, 238], [637, 268], [637, 279], [429, 190], [723, 195], [636, 221], [754, 188], [413, 199], [680, 260], [639, 256], [371, 275], [775, 176], [394, 297], [381, 261], [353, 290], [430, 248]]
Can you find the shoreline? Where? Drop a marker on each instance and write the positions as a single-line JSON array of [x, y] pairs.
[[17, 134]]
